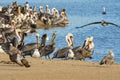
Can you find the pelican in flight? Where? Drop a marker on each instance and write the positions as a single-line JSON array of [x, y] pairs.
[[103, 23]]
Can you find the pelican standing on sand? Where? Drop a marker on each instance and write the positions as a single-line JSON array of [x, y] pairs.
[[108, 59], [86, 50], [15, 55], [48, 49], [36, 51], [65, 52], [29, 48]]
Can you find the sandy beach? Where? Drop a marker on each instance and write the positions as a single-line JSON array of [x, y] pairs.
[[43, 69]]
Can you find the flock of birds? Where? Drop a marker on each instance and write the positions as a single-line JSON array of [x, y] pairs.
[[13, 32]]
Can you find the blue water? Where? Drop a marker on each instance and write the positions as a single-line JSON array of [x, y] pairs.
[[81, 12]]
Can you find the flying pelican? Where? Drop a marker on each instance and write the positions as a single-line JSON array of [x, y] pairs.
[[103, 23], [108, 59]]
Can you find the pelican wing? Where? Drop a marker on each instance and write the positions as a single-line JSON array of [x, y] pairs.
[[89, 24], [60, 53], [114, 24], [106, 59]]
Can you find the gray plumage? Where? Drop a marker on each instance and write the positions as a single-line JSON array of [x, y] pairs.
[[108, 59], [61, 53], [15, 55], [48, 49]]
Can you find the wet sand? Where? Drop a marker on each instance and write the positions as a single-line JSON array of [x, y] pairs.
[[44, 69]]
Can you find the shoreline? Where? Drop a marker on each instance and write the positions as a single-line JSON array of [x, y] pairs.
[[44, 69]]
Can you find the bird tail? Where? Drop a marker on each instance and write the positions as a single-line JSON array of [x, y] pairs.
[[25, 63]]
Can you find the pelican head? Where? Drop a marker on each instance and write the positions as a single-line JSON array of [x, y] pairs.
[[45, 36], [54, 8], [18, 31], [69, 39], [90, 39], [13, 21], [41, 7], [47, 6], [90, 42], [37, 35], [111, 53], [53, 38]]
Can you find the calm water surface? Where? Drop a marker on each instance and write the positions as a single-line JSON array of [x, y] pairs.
[[81, 12]]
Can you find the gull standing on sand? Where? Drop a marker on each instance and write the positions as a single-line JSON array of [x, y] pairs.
[[108, 59]]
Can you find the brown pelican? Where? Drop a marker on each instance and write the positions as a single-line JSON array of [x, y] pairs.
[[29, 48], [85, 51], [61, 53], [36, 50], [15, 55], [48, 49], [108, 59], [103, 23]]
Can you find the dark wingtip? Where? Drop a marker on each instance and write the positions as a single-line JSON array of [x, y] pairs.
[[77, 27]]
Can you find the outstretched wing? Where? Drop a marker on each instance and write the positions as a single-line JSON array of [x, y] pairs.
[[114, 24], [89, 24]]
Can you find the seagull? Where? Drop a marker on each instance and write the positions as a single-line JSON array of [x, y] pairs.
[[108, 59], [103, 23], [104, 11]]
